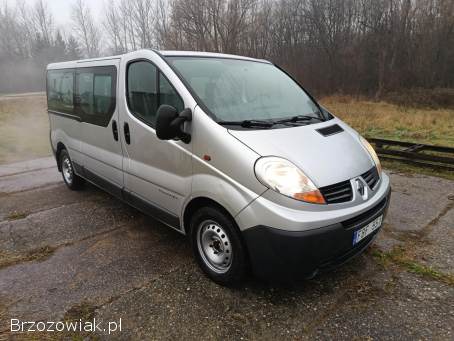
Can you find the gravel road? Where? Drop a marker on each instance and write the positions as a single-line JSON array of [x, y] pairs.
[[80, 255]]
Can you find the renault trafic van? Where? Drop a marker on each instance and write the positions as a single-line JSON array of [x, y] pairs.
[[228, 150]]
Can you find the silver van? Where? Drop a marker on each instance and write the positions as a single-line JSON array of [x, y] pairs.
[[228, 150]]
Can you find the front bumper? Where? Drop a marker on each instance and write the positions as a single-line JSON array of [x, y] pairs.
[[282, 254]]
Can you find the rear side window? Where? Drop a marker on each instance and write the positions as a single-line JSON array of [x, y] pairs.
[[85, 92], [147, 89], [60, 91], [102, 93], [95, 95]]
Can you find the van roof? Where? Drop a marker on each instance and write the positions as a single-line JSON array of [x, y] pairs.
[[165, 53], [169, 53]]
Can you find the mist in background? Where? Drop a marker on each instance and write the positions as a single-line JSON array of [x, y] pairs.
[[368, 47]]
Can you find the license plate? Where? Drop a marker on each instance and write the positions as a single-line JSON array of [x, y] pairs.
[[363, 232]]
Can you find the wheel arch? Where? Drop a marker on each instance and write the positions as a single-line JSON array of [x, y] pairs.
[[197, 203]]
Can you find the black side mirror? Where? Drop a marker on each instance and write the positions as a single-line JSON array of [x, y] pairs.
[[169, 123]]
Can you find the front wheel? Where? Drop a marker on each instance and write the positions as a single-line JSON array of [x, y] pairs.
[[217, 246], [72, 180]]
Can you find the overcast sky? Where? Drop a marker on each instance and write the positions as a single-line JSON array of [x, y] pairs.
[[61, 10]]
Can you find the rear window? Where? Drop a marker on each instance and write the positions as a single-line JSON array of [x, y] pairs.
[[60, 91]]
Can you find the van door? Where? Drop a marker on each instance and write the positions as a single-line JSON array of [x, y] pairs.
[[157, 173], [96, 88]]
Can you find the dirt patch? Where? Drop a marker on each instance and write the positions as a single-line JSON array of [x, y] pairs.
[[16, 215], [403, 258], [84, 311], [39, 254]]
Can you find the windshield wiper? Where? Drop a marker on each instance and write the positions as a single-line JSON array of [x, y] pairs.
[[299, 118], [248, 123], [269, 124]]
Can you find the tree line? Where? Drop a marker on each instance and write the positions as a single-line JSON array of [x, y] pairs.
[[365, 47]]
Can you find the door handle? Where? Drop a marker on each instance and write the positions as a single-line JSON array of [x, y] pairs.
[[127, 133], [115, 130]]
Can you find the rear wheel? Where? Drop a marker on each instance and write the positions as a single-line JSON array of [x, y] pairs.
[[217, 246], [72, 180]]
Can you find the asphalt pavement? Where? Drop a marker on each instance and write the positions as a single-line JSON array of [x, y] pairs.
[[68, 255]]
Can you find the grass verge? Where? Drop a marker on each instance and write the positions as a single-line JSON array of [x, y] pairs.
[[395, 122]]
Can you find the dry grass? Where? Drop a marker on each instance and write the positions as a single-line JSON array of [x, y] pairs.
[[385, 120], [24, 128]]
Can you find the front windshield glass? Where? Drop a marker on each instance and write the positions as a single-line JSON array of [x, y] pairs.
[[237, 90]]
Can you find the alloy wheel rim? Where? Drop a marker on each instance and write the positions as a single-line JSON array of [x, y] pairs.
[[214, 246]]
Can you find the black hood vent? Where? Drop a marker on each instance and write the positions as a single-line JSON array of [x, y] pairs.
[[330, 130]]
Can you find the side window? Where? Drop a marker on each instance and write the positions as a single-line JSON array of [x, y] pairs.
[[60, 88], [85, 92], [96, 88], [168, 95], [142, 91], [102, 93]]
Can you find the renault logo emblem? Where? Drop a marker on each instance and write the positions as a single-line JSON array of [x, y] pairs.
[[361, 188]]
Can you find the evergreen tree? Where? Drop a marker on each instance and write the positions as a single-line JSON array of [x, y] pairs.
[[58, 48]]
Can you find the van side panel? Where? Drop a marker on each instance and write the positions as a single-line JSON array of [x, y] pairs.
[[228, 177]]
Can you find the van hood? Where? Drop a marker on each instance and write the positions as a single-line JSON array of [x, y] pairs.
[[325, 159]]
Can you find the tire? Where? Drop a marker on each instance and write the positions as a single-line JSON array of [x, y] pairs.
[[218, 246], [71, 179]]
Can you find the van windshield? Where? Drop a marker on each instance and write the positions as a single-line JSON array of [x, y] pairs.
[[236, 90]]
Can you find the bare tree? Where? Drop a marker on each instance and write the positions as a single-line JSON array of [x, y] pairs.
[[143, 13], [128, 26], [352, 46], [43, 21], [86, 29], [162, 22], [113, 28]]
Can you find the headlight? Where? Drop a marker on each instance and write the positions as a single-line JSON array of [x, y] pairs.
[[372, 153], [284, 177]]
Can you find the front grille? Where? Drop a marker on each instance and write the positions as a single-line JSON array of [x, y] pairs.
[[371, 177], [337, 193]]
